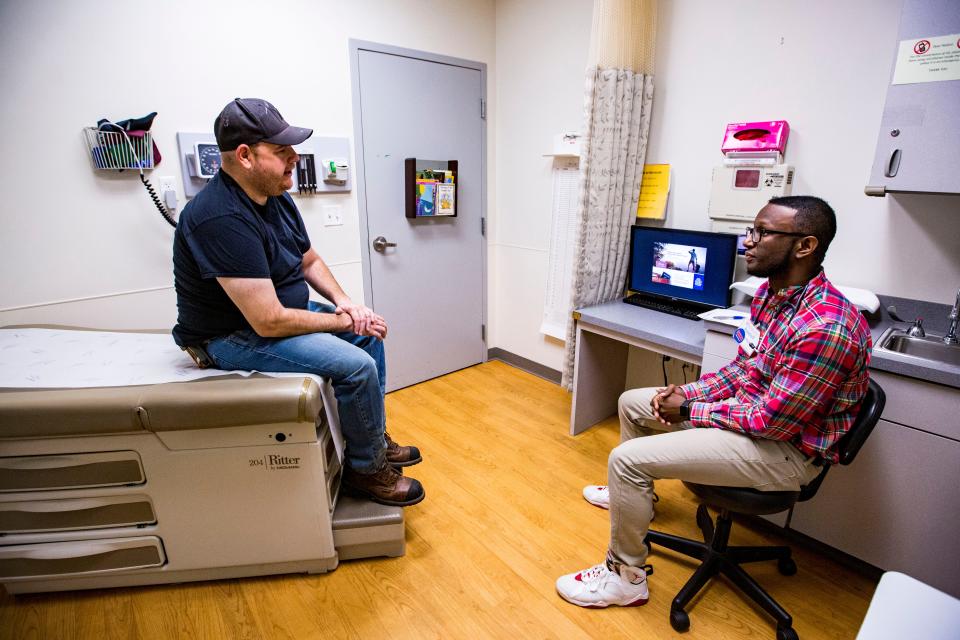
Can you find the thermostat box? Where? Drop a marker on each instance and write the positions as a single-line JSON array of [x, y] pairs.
[[739, 192]]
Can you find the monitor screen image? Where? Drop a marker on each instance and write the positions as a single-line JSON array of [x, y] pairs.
[[679, 265], [675, 264]]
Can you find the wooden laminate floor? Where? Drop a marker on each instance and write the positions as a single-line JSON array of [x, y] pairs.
[[503, 518]]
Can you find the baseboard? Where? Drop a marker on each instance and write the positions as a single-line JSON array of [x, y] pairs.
[[794, 537], [537, 369]]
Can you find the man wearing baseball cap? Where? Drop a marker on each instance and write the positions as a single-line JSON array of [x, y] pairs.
[[242, 264]]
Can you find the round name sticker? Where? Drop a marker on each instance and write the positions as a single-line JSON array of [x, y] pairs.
[[739, 335]]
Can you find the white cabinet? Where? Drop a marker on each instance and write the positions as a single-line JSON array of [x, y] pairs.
[[918, 146], [897, 506], [719, 349]]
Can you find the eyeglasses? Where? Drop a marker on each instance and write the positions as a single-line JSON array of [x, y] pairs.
[[756, 235]]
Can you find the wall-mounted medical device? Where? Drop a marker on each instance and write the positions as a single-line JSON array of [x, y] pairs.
[[313, 173], [752, 171], [200, 160], [335, 171], [206, 158], [739, 192], [755, 143], [128, 144]]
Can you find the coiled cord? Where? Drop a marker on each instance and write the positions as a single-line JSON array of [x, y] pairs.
[[156, 200], [146, 183]]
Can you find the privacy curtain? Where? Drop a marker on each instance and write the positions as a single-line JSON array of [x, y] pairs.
[[617, 106]]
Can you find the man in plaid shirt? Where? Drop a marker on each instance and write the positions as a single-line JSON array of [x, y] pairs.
[[768, 420]]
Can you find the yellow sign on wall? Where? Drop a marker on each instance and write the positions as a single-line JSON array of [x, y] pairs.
[[653, 191]]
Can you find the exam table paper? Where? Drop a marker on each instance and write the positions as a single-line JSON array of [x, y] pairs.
[[861, 298], [67, 359]]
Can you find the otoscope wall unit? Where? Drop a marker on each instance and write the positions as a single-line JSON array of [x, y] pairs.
[[199, 161]]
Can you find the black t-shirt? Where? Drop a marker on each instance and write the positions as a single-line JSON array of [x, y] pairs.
[[223, 233]]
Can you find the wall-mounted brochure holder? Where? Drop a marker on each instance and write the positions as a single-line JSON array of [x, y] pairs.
[[430, 188]]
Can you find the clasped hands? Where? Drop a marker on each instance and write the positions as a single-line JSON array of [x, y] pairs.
[[364, 321], [666, 404]]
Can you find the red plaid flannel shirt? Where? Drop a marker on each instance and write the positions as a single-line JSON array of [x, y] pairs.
[[804, 383]]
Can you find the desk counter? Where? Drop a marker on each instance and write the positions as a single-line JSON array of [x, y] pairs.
[[661, 329]]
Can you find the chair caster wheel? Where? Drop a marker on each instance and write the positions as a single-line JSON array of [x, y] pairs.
[[787, 633], [787, 566], [679, 620]]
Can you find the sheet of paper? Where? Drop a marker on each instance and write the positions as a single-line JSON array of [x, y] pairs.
[[62, 358], [930, 59], [654, 189], [732, 316]]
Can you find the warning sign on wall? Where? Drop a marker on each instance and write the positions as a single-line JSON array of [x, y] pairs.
[[928, 60]]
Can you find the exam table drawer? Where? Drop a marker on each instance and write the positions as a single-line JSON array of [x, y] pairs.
[[71, 471], [71, 514], [84, 557]]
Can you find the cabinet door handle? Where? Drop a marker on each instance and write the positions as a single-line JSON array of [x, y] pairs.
[[893, 164]]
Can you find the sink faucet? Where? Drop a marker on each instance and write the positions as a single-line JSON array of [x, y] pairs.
[[916, 330], [951, 337]]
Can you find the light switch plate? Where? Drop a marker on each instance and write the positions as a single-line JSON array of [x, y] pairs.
[[332, 215]]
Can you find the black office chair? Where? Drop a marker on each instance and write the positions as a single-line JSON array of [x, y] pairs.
[[719, 558]]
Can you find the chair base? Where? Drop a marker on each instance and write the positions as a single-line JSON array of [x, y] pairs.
[[719, 558]]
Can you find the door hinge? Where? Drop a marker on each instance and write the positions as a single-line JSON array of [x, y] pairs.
[[483, 227], [483, 332], [483, 109]]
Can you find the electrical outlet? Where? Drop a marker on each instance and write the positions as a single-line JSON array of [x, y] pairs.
[[332, 215], [166, 183]]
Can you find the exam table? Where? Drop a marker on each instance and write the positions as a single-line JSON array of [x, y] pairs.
[[219, 477]]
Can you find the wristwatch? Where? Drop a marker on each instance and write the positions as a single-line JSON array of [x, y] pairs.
[[685, 409]]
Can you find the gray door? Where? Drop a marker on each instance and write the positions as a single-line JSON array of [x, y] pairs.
[[430, 287]]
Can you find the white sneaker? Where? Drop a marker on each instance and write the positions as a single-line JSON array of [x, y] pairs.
[[597, 494], [599, 587]]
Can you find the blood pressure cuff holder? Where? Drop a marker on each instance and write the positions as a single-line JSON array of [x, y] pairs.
[[135, 128]]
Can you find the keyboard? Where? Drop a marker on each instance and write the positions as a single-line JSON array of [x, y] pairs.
[[663, 307]]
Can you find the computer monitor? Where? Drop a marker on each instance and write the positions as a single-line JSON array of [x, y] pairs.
[[676, 265]]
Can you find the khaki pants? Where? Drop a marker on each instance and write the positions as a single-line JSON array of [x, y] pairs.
[[680, 451]]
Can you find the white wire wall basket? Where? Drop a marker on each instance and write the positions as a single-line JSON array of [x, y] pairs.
[[119, 149]]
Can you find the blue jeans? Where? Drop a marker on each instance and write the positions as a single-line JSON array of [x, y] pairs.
[[355, 365]]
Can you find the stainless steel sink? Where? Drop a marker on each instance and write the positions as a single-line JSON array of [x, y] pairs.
[[930, 348]]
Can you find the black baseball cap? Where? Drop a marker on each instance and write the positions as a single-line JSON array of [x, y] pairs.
[[252, 120]]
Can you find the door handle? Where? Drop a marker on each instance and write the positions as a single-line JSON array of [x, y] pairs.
[[893, 164], [380, 244]]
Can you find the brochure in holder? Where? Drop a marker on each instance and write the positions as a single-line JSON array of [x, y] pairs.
[[430, 188]]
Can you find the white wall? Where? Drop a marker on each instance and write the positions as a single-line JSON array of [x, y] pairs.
[[71, 233], [541, 51], [824, 66], [820, 64]]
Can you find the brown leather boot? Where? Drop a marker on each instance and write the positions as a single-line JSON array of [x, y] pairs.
[[401, 456], [386, 486]]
